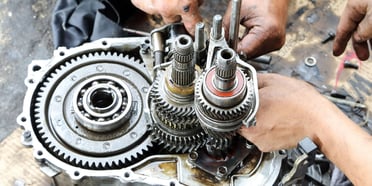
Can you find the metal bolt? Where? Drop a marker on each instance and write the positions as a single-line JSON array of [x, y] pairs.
[[193, 156], [217, 27], [330, 36], [221, 171], [349, 64], [199, 36], [27, 135]]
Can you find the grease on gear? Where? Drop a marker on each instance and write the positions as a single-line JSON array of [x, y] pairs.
[[176, 125]]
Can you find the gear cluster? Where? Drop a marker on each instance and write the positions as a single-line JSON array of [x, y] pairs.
[[223, 100], [176, 124], [163, 109], [107, 105]]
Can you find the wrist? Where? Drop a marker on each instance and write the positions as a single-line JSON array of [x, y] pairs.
[[329, 125], [323, 118]]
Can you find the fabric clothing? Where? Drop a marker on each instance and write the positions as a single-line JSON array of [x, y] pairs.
[[75, 22]]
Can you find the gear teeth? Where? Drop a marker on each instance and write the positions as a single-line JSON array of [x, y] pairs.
[[45, 135], [178, 143], [240, 111]]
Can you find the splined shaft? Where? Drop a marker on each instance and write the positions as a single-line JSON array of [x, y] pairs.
[[225, 70], [183, 71]]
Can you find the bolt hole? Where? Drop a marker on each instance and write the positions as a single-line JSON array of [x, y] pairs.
[[36, 68], [76, 173], [31, 81], [126, 174], [147, 41], [23, 119], [172, 183], [104, 43], [183, 41], [39, 153], [61, 53], [226, 54]]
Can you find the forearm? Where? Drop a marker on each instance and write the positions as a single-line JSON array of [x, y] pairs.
[[346, 145], [339, 138]]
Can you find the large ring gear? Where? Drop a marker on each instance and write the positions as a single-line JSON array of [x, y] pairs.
[[88, 109]]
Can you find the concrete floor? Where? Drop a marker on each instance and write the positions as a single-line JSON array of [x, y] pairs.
[[25, 34]]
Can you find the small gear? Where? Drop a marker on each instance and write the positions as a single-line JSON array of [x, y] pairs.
[[179, 141], [67, 136]]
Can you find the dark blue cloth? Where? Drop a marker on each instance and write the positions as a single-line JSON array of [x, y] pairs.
[[75, 22]]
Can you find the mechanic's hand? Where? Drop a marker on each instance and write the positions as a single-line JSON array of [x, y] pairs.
[[265, 22], [355, 23], [173, 11], [289, 111]]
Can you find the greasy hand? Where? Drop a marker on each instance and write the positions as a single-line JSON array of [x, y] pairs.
[[265, 22], [173, 11], [288, 112], [355, 24]]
